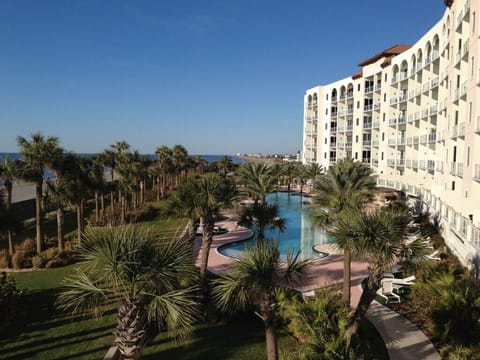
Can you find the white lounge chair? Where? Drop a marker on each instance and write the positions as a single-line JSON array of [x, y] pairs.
[[386, 292], [433, 256], [409, 280]]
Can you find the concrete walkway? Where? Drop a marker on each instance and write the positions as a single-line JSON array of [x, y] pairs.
[[402, 339]]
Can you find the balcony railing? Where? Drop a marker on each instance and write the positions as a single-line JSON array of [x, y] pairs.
[[401, 119], [459, 130], [367, 142], [391, 162], [430, 165], [368, 107], [367, 126], [369, 89], [476, 173], [376, 124], [456, 169], [348, 144]]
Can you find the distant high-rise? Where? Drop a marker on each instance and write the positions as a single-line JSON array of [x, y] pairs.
[[413, 114]]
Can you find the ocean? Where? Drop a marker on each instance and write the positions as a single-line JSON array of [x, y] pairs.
[[209, 158]]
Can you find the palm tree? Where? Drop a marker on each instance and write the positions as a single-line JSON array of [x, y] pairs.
[[207, 202], [288, 173], [258, 179], [319, 324], [180, 161], [225, 165], [165, 165], [151, 283], [380, 236], [9, 170], [37, 153], [262, 217], [347, 184], [256, 280], [58, 194], [313, 171]]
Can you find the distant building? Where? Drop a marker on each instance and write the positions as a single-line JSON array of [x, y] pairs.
[[413, 114]]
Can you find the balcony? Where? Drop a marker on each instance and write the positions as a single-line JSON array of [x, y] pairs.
[[439, 166], [401, 141], [430, 165], [392, 142], [348, 144], [333, 144], [369, 89], [393, 101], [401, 119], [456, 169], [375, 143], [376, 106], [334, 114], [465, 48], [368, 107], [333, 130], [366, 160], [414, 164], [433, 110], [349, 94], [367, 126], [402, 97], [476, 173], [422, 164], [400, 163], [458, 131], [477, 125], [367, 142], [392, 122], [432, 138], [376, 124], [312, 118], [334, 99], [391, 162], [375, 162]]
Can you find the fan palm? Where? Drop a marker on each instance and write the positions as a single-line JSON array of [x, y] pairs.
[[346, 185], [9, 170], [256, 280], [262, 217], [380, 236], [37, 153], [258, 179], [151, 282]]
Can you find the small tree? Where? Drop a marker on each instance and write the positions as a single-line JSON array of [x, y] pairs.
[[150, 281], [256, 280]]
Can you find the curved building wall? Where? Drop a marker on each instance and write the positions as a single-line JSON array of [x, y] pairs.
[[413, 117]]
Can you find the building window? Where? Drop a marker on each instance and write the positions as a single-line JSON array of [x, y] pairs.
[[327, 96], [357, 122], [383, 117], [358, 87], [358, 104], [468, 156], [381, 156], [325, 141], [385, 81], [324, 155], [453, 185], [384, 97], [326, 111], [383, 136], [356, 138], [356, 155], [470, 112]]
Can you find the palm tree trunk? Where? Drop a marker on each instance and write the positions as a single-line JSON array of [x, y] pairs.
[[207, 239], [60, 238], [38, 215], [158, 188], [80, 225], [10, 242], [347, 264], [97, 212], [270, 333], [102, 207], [369, 293], [130, 333]]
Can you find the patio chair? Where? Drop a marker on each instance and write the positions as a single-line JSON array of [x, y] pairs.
[[386, 292], [409, 280], [433, 256]]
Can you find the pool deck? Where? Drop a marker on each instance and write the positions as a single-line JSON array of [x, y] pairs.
[[402, 339]]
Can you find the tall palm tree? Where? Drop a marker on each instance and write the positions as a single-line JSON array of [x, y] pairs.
[[313, 171], [258, 179], [9, 170], [37, 153], [256, 280], [165, 164], [347, 184], [225, 165], [180, 161], [262, 217], [151, 282], [380, 236]]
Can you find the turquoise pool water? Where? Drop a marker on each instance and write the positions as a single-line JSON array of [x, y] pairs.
[[301, 234]]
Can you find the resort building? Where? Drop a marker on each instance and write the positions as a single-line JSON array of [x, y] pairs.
[[413, 114]]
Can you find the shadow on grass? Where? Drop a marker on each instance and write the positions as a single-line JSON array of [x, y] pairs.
[[244, 335]]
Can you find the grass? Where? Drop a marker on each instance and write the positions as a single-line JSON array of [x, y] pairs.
[[50, 334]]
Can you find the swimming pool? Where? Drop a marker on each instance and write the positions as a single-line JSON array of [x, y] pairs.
[[301, 234]]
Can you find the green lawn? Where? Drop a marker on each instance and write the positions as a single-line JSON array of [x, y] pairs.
[[50, 334]]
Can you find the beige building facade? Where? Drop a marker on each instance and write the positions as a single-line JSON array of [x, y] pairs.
[[413, 114]]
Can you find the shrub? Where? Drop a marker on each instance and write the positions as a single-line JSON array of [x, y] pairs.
[[10, 303], [4, 259], [51, 252], [29, 246], [454, 352], [38, 262], [18, 260]]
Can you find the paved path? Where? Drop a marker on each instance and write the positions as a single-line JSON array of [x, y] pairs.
[[402, 339]]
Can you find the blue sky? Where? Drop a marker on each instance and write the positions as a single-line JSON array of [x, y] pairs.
[[217, 76]]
